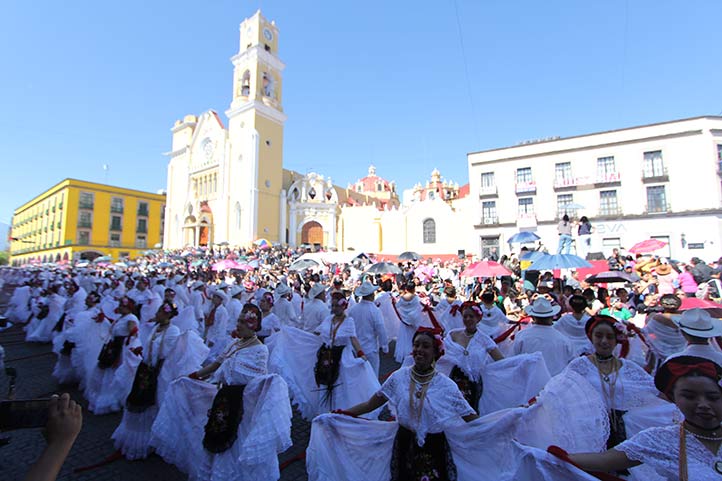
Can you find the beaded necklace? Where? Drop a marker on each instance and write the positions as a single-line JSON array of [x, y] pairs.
[[417, 389]]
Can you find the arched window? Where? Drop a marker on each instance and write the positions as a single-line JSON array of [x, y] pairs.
[[237, 213], [246, 84], [429, 231]]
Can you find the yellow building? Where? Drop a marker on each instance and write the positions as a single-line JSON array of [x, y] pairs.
[[76, 219]]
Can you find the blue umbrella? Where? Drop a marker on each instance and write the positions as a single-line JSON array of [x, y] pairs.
[[531, 255], [523, 237], [558, 261]]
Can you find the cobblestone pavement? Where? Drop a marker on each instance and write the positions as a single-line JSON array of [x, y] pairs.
[[34, 363]]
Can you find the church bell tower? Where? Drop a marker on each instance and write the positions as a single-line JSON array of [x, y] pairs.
[[255, 131]]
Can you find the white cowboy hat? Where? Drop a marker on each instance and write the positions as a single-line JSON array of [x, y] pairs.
[[541, 307], [221, 294], [197, 285], [698, 323], [235, 290], [281, 290], [316, 290], [365, 289]]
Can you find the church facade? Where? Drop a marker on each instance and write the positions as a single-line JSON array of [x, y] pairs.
[[226, 182]]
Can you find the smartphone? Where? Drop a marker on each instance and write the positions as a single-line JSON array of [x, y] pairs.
[[23, 414]]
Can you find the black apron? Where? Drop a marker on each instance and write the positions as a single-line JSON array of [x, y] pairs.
[[224, 417], [145, 386], [432, 461], [110, 352], [471, 390]]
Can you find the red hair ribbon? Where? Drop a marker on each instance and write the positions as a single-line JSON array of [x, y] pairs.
[[564, 456], [678, 370], [430, 312]]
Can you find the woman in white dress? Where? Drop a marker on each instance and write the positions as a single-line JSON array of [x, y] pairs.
[[111, 379], [688, 451], [424, 401], [233, 425], [65, 343], [167, 353], [52, 308], [327, 369], [467, 352]]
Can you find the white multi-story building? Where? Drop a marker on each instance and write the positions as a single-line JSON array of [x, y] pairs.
[[654, 181]]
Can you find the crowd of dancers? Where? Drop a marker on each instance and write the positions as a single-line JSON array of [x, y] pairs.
[[504, 380]]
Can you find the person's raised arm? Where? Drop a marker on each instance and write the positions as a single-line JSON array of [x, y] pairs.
[[374, 402], [608, 461]]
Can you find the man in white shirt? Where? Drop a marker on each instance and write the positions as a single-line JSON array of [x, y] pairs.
[[541, 337], [234, 306], [698, 329], [369, 321], [282, 307], [315, 309]]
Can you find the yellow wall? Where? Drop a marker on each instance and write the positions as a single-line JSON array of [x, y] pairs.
[[30, 221], [270, 167]]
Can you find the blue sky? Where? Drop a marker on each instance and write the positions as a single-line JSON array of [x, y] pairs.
[[85, 83]]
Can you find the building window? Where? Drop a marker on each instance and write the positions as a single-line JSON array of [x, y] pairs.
[[359, 188], [608, 202], [656, 199], [85, 219], [563, 201], [563, 173], [429, 231], [86, 200], [487, 180], [116, 205], [490, 248], [609, 243], [142, 226], [526, 206], [488, 213], [719, 157], [379, 187], [143, 209], [238, 215], [84, 237], [246, 84], [116, 222], [114, 240], [606, 167], [523, 175], [653, 165], [140, 241]]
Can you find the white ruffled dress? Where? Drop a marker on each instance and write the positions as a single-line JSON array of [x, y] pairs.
[[182, 354], [503, 446], [107, 389], [264, 432], [294, 358]]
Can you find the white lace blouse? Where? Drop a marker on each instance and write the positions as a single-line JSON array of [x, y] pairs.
[[243, 365], [343, 336], [634, 387], [443, 402], [471, 359], [658, 448]]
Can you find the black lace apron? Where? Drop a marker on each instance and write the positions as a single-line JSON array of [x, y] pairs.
[[432, 461], [43, 312], [58, 327], [471, 390], [224, 417], [617, 431], [110, 352], [145, 386], [326, 370], [67, 349]]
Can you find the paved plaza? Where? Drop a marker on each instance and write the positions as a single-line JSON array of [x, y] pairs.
[[34, 363]]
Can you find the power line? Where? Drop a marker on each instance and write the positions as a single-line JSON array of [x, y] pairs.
[[466, 73]]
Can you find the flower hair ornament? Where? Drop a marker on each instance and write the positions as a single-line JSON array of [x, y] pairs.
[[169, 308], [474, 307], [435, 335], [268, 297], [342, 303]]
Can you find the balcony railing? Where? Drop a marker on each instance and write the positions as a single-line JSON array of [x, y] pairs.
[[563, 182], [609, 211], [143, 212], [526, 187], [85, 205], [114, 209], [608, 178], [488, 190], [659, 208], [142, 229], [116, 227], [85, 224], [83, 242], [490, 220], [655, 175]]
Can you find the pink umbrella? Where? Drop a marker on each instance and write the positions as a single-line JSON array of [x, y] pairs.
[[649, 245], [485, 269], [224, 265], [714, 309]]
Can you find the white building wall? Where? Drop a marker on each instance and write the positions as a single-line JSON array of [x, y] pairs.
[[692, 186]]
